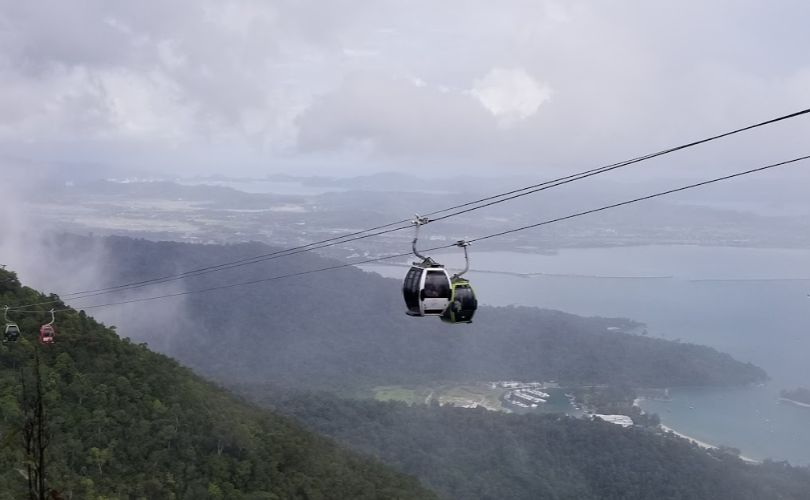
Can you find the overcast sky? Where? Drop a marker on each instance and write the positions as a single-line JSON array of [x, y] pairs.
[[354, 87]]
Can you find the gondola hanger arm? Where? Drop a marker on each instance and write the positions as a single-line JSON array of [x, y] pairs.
[[417, 222], [463, 244]]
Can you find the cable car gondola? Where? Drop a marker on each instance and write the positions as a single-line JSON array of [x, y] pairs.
[[11, 332], [463, 302], [47, 331], [429, 290], [426, 288]]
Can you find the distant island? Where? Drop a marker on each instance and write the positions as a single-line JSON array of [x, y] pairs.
[[800, 396]]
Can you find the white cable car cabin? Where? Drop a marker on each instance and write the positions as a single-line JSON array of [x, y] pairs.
[[426, 288], [11, 332], [429, 290]]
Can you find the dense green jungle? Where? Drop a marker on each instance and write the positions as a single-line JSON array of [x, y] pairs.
[[122, 422], [125, 422]]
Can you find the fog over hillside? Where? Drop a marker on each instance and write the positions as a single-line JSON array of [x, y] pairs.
[[233, 183]]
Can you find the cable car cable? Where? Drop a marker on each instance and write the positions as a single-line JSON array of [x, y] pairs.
[[588, 173], [492, 200], [480, 238], [247, 260], [643, 198], [224, 287], [219, 267]]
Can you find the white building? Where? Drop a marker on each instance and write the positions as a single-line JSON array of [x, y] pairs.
[[622, 420]]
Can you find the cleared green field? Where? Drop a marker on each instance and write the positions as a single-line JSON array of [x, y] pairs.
[[458, 395], [408, 395], [471, 395]]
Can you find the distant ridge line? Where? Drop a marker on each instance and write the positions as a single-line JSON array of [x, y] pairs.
[[600, 276], [747, 279]]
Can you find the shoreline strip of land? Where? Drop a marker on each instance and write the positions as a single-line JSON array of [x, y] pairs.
[[702, 444]]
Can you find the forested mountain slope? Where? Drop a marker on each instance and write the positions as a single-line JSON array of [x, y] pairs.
[[124, 422], [479, 454], [347, 328]]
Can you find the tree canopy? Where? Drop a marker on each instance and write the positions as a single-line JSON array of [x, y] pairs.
[[485, 455], [125, 422]]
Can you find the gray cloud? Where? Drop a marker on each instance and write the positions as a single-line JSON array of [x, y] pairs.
[[251, 86], [395, 117]]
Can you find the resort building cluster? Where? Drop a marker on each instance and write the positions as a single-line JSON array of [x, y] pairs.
[[524, 394]]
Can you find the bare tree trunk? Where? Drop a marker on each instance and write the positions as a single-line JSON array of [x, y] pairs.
[[28, 436], [35, 433], [42, 438]]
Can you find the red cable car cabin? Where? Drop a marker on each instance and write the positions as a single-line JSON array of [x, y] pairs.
[[46, 334]]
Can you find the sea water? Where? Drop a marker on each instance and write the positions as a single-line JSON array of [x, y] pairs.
[[749, 302]]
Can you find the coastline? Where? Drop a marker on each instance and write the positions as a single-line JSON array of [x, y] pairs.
[[702, 444], [794, 402], [698, 442]]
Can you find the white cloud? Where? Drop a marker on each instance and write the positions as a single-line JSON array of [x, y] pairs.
[[510, 94], [399, 117]]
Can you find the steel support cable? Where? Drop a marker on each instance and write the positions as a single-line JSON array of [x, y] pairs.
[[642, 198], [452, 245], [517, 193], [246, 260], [631, 161], [230, 285], [221, 267], [492, 200], [315, 246]]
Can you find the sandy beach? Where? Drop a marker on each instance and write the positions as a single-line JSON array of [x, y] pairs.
[[700, 443]]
